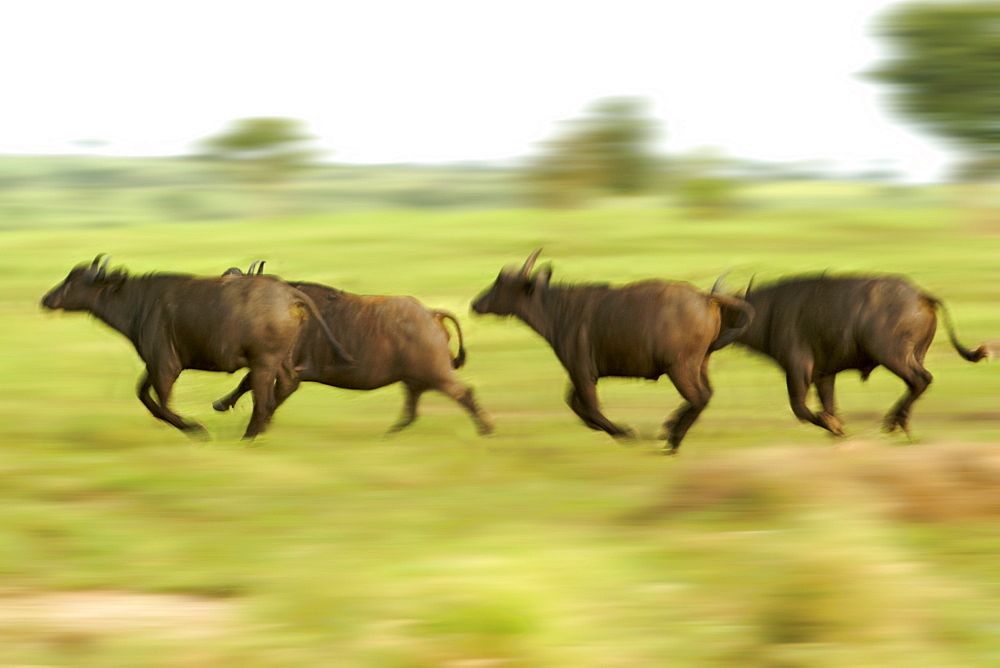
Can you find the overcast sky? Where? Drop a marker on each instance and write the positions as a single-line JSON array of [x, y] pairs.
[[450, 80]]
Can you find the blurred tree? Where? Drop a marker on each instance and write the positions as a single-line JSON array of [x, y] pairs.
[[704, 181], [945, 72], [618, 137], [608, 150], [559, 176], [262, 150]]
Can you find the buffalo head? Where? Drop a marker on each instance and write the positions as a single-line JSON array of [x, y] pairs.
[[76, 291], [513, 289]]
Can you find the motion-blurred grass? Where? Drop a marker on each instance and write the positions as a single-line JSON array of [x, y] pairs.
[[543, 545]]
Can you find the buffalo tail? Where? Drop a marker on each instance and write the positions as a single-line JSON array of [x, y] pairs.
[[337, 348], [729, 334], [458, 360], [972, 355]]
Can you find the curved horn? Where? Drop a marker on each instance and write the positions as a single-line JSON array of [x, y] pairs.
[[530, 262], [97, 260], [252, 267], [718, 282], [260, 269], [749, 285], [104, 267]]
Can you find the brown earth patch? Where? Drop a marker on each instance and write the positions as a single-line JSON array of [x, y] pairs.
[[102, 613], [917, 483]]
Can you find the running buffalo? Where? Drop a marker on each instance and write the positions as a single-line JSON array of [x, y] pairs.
[[640, 330], [393, 339], [177, 322], [814, 327]]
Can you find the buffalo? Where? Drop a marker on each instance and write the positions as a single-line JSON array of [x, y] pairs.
[[393, 339], [640, 330], [178, 321], [814, 327]]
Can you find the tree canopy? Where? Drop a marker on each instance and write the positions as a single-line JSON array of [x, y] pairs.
[[607, 150], [265, 149], [944, 71]]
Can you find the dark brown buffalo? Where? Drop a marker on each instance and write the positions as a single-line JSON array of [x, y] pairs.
[[817, 326], [179, 322], [392, 339], [640, 330]]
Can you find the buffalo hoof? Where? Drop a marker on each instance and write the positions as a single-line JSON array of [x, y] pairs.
[[891, 422], [196, 431], [832, 424], [894, 421], [485, 429], [221, 406], [669, 450], [399, 426], [624, 435]]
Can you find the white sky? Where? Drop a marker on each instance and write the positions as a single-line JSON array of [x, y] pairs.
[[448, 80]]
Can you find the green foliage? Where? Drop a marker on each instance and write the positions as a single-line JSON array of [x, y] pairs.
[[702, 181], [606, 151], [617, 138], [945, 73], [263, 150]]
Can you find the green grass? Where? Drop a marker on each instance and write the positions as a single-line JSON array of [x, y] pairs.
[[545, 544]]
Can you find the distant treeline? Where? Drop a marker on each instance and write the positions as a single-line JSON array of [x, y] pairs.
[[58, 191]]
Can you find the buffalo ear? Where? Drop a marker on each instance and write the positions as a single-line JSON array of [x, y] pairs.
[[541, 279]]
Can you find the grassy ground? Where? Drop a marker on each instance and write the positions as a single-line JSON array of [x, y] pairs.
[[326, 544]]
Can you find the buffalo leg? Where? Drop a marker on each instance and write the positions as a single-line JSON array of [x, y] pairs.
[[798, 381], [825, 390], [917, 380], [576, 403], [582, 399], [285, 384], [262, 380], [228, 401], [409, 415], [467, 398], [162, 384], [692, 383], [451, 388]]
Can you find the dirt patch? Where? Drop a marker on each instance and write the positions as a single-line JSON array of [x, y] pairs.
[[917, 483], [96, 613], [985, 416]]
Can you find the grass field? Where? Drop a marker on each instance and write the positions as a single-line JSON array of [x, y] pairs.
[[324, 543]]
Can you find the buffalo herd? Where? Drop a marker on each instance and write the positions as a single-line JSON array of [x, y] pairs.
[[284, 333]]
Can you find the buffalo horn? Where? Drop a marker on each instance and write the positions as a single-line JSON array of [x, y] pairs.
[[530, 262], [718, 283], [104, 266]]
